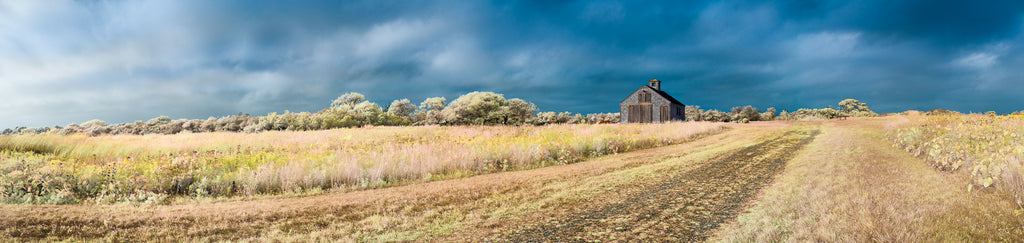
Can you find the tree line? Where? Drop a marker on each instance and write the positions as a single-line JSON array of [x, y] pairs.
[[349, 110], [475, 108], [846, 108]]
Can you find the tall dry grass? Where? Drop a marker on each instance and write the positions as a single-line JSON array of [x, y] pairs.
[[989, 148], [49, 168]]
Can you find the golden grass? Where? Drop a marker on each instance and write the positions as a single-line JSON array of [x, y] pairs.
[[850, 186], [462, 209], [847, 185], [148, 168]]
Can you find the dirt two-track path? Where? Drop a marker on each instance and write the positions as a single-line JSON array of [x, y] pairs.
[[683, 206]]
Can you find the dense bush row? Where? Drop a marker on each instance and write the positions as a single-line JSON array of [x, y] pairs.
[[349, 110], [847, 108], [476, 108], [944, 112]]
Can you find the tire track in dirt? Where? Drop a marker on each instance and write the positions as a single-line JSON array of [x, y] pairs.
[[683, 207]]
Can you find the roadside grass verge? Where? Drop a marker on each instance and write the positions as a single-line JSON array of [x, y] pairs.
[[849, 186], [55, 169]]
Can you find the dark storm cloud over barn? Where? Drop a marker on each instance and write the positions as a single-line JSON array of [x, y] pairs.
[[71, 61]]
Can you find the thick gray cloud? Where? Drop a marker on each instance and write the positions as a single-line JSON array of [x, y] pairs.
[[71, 61]]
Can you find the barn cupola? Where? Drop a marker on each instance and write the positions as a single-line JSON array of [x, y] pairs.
[[656, 84]]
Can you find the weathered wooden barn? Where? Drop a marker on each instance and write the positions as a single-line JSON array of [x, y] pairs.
[[650, 104]]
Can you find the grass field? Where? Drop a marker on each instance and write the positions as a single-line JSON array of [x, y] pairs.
[[839, 180], [849, 185], [55, 169]]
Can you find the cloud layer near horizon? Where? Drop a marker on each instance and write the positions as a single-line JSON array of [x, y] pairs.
[[72, 61]]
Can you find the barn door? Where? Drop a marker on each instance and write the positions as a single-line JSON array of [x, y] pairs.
[[640, 112], [666, 114], [634, 113]]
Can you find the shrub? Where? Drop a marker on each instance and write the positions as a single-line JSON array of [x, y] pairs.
[[603, 118], [430, 112], [815, 114], [715, 115], [159, 120], [435, 103], [402, 108], [694, 113], [430, 117], [97, 130], [94, 122], [551, 117], [852, 107], [768, 114], [784, 115], [366, 110], [989, 147], [487, 108], [209, 125], [520, 111], [747, 112], [348, 99], [477, 108]]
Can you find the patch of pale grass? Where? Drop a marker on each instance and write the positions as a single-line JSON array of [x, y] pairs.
[[850, 186]]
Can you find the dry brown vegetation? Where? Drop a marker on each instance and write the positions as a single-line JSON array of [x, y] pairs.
[[155, 169], [844, 184], [988, 147], [452, 208]]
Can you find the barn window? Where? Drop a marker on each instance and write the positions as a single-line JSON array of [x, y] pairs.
[[665, 114], [644, 97]]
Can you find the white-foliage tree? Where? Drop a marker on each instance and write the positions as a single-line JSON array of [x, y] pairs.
[[402, 108]]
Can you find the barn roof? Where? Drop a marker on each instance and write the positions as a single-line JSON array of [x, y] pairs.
[[661, 93], [666, 96]]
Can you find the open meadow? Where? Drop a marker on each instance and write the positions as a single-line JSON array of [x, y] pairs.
[[154, 169], [837, 180]]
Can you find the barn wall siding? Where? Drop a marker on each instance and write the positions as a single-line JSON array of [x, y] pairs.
[[676, 111], [624, 106], [658, 101]]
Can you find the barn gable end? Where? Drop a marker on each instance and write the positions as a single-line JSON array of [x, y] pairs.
[[650, 104]]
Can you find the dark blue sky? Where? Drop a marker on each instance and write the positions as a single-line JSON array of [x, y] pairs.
[[121, 61]]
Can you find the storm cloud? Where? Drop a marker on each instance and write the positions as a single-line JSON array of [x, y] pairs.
[[121, 61]]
